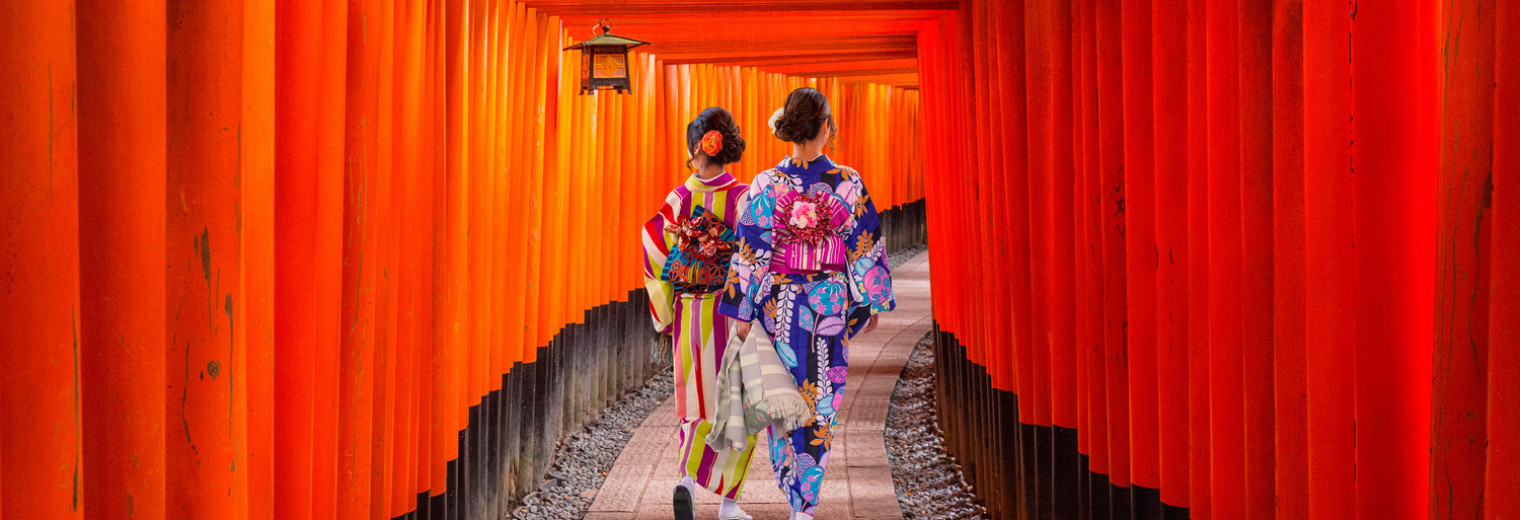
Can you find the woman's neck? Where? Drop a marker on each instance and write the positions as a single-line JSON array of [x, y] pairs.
[[710, 172], [807, 151]]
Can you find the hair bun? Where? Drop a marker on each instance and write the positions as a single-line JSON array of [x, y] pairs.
[[733, 145], [805, 112], [727, 148]]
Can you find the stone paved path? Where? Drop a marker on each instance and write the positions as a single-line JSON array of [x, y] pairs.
[[859, 481]]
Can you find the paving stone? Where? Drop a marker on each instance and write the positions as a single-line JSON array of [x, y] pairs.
[[707, 511], [836, 489], [661, 482], [672, 449], [869, 412], [866, 448], [761, 488], [621, 491], [610, 516], [858, 483], [665, 415], [838, 508], [647, 446], [871, 492]]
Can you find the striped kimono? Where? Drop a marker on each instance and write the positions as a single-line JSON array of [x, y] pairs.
[[699, 333], [811, 267]]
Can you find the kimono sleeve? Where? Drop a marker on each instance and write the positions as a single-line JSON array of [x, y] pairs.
[[747, 271], [870, 276], [656, 249]]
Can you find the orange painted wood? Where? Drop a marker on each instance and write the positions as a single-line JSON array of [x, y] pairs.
[[204, 441], [1099, 445], [1062, 297], [1037, 28], [1329, 288], [432, 197], [449, 354], [854, 68], [514, 165], [616, 181], [330, 159], [412, 322], [629, 276], [1110, 179], [297, 64], [1459, 384], [361, 202], [557, 193], [121, 255], [1081, 104], [1171, 112], [554, 191], [1395, 135], [574, 148], [387, 230], [1502, 474], [1226, 419], [499, 20], [257, 177], [534, 334], [1009, 77], [1290, 416], [368, 207], [467, 356], [1256, 187], [1200, 475], [1141, 255], [480, 221], [521, 140], [40, 433]]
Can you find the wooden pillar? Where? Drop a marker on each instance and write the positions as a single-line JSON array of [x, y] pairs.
[[41, 470], [121, 241]]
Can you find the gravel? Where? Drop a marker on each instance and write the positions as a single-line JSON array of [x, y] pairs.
[[894, 260], [928, 481], [583, 458]]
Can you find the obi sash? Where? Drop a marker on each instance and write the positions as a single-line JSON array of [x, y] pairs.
[[698, 264], [809, 233]]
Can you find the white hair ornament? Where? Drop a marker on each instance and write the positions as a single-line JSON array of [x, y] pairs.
[[776, 117]]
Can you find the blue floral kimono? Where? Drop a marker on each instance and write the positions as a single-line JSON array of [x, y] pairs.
[[812, 266]]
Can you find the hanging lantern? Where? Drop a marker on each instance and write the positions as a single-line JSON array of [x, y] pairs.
[[604, 60]]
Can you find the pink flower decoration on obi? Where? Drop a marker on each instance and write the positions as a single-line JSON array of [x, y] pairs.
[[804, 215]]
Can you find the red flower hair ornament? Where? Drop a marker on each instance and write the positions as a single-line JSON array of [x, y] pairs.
[[712, 142]]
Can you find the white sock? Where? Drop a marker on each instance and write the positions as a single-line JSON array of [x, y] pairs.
[[798, 515], [689, 484], [730, 509]]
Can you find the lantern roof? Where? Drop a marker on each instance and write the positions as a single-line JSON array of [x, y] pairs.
[[607, 39]]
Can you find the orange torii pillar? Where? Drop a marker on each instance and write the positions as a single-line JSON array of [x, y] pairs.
[[1216, 263], [1502, 476], [121, 240], [41, 466]]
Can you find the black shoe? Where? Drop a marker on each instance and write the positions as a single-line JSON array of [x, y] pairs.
[[682, 502]]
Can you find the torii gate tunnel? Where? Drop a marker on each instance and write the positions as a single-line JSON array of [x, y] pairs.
[[372, 258]]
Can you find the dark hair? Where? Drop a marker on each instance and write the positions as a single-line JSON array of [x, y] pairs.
[[806, 109], [715, 118]]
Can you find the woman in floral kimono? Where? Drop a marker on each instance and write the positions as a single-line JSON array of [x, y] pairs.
[[687, 247], [812, 266]]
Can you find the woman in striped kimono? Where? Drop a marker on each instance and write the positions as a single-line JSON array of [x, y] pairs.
[[687, 246], [812, 267]]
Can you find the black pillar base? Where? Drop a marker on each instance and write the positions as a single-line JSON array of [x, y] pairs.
[[1146, 503]]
